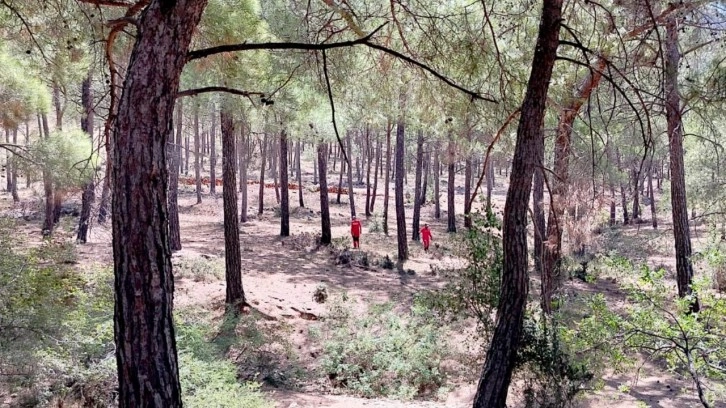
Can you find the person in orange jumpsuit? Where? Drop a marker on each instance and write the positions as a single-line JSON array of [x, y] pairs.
[[426, 237], [356, 229]]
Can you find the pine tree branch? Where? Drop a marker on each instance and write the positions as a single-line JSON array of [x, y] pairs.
[[197, 91]]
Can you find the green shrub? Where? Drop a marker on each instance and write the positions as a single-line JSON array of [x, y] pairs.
[[383, 353], [387, 263], [199, 269]]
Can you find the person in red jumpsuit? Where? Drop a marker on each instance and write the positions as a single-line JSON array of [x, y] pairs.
[[426, 237], [356, 229]]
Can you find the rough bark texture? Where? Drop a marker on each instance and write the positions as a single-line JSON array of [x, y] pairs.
[[197, 155], [425, 183], [235, 295], [284, 191], [174, 151], [13, 167], [467, 185], [263, 154], [242, 153], [351, 195], [437, 174], [48, 187], [326, 235], [681, 233], [89, 190], [451, 187], [213, 154], [298, 170], [400, 209], [539, 219], [146, 357], [528, 152], [387, 179], [417, 187]]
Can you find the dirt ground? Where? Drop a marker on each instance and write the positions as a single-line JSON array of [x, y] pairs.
[[279, 279]]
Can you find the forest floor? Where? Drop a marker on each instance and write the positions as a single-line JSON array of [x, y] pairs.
[[280, 277]]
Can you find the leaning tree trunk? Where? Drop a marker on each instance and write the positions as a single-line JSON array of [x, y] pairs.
[[89, 190], [242, 158], [451, 188], [437, 174], [528, 153], [197, 155], [174, 150], [284, 188], [213, 154], [387, 179], [263, 154], [298, 170], [681, 233], [326, 235], [146, 356], [400, 210], [351, 195], [417, 187], [552, 255], [235, 296]]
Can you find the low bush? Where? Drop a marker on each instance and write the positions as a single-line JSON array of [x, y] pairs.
[[199, 269]]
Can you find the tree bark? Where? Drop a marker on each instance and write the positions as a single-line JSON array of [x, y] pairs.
[[263, 155], [681, 232], [451, 188], [89, 190], [243, 163], [48, 187], [623, 198], [651, 197], [539, 222], [351, 194], [490, 184], [467, 183], [369, 160], [146, 357], [326, 235], [528, 153], [235, 294], [8, 167], [340, 182], [400, 209], [417, 187], [425, 183], [387, 179], [275, 153], [174, 151], [636, 197], [376, 165], [437, 174], [13, 167], [284, 188], [299, 174], [197, 155], [213, 154]]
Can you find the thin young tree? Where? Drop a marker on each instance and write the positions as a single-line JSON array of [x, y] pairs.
[[89, 190], [242, 159], [451, 188], [387, 180], [261, 199], [417, 187], [351, 194], [213, 152], [284, 187], [298, 171]]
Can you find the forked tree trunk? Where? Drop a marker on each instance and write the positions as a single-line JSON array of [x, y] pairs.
[[243, 163], [437, 174], [89, 190], [213, 153], [417, 187], [174, 151], [235, 294], [263, 155], [451, 188], [148, 372], [400, 209], [681, 232], [197, 155], [299, 174], [501, 356], [351, 195], [284, 188], [326, 235], [387, 179]]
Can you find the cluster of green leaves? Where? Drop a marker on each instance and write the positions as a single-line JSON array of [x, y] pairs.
[[21, 95], [68, 157], [384, 352]]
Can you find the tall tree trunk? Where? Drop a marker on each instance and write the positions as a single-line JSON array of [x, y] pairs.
[[351, 195], [89, 190], [369, 159], [400, 209], [623, 198], [490, 184], [284, 188], [681, 232], [552, 256], [48, 186], [146, 357], [340, 182], [13, 167], [186, 155], [263, 155], [8, 167], [326, 235], [651, 197], [315, 170], [451, 187], [467, 183], [197, 154], [175, 153], [425, 183], [636, 197], [387, 179], [539, 221], [417, 187], [213, 154], [376, 166], [243, 163], [235, 296], [298, 170], [528, 153], [437, 174], [275, 150]]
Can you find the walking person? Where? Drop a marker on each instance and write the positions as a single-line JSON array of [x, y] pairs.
[[426, 237], [356, 229]]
